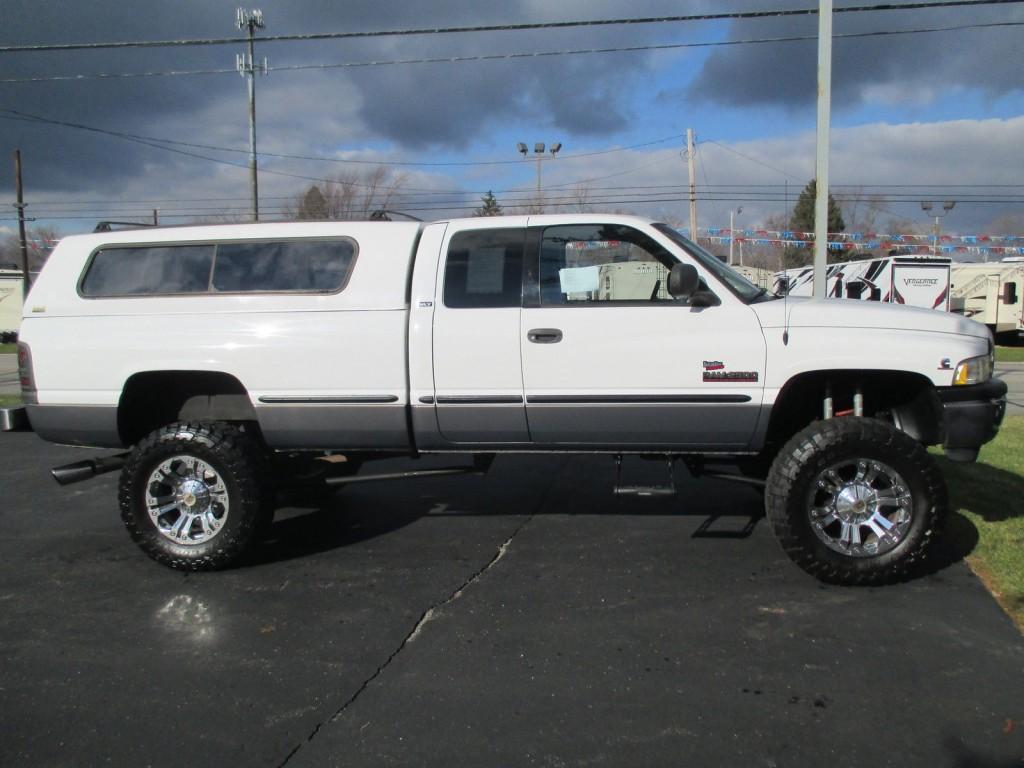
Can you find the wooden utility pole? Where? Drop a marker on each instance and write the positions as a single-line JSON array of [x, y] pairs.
[[691, 158], [246, 66], [26, 281]]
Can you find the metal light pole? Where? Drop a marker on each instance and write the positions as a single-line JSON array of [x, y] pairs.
[[732, 233], [926, 206], [251, 21], [822, 143], [538, 151]]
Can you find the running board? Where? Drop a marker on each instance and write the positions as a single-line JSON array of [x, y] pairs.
[[84, 470], [480, 466], [644, 491]]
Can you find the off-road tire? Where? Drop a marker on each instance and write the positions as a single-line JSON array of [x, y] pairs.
[[793, 478], [237, 455]]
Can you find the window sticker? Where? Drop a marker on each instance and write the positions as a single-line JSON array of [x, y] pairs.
[[579, 279]]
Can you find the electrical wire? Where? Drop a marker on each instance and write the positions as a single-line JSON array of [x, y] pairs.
[[28, 117], [733, 15], [513, 56]]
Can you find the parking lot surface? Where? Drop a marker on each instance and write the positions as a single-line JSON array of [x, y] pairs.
[[523, 618]]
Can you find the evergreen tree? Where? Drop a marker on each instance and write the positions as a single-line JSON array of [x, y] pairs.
[[490, 206], [803, 221], [313, 205]]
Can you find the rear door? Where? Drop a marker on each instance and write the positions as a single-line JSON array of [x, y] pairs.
[[478, 380]]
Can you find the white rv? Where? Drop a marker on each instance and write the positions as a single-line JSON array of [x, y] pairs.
[[10, 304], [911, 280], [990, 293]]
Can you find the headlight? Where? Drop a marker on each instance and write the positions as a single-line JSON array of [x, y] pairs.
[[974, 370]]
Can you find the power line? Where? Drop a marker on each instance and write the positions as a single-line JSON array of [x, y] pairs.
[[28, 117], [512, 56], [735, 15]]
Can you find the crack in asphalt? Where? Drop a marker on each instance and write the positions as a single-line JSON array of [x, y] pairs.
[[426, 617]]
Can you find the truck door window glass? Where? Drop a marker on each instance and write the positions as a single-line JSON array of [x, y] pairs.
[[595, 263], [149, 270], [484, 269], [315, 266]]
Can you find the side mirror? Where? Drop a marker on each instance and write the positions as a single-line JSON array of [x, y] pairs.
[[1009, 293], [683, 281], [704, 299]]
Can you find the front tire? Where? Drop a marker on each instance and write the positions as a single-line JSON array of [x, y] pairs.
[[193, 495], [855, 501]]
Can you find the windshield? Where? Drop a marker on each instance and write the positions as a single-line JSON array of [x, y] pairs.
[[733, 280]]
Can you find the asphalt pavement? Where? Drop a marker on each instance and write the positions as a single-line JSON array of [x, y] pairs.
[[522, 618]]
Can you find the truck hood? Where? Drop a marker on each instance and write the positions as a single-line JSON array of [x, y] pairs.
[[857, 313]]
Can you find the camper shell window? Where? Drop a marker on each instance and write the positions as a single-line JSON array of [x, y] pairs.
[[278, 266]]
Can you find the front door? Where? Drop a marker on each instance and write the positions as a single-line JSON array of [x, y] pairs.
[[611, 359]]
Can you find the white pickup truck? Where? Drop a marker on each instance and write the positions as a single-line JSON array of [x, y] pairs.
[[232, 359]]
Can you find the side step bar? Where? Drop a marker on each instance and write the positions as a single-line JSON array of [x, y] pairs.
[[481, 463], [84, 470]]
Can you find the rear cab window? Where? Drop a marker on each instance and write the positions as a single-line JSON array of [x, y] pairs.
[[484, 269]]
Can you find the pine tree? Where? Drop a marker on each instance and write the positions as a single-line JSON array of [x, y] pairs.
[[490, 206], [314, 205], [803, 221]]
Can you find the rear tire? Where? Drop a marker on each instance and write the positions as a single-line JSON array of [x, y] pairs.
[[855, 501], [194, 495]]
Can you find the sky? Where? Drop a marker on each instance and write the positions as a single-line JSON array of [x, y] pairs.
[[937, 116]]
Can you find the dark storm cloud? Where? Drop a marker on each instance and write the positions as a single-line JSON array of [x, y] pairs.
[[414, 106], [784, 74]]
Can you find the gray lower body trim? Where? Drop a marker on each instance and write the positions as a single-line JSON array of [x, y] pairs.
[[87, 425], [479, 422], [718, 426], [351, 426]]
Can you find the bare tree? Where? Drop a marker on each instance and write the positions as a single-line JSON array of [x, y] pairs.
[[353, 195]]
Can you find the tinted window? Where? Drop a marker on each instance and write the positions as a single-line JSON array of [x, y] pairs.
[[308, 265], [485, 269], [314, 266], [154, 270], [596, 263]]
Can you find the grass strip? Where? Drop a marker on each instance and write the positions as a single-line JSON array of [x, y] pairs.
[[988, 496]]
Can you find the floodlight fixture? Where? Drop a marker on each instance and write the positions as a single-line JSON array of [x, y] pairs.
[[522, 148], [538, 148]]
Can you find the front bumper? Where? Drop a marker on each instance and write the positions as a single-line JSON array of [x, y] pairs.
[[971, 417]]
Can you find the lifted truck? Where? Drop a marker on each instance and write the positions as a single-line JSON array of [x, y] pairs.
[[232, 359]]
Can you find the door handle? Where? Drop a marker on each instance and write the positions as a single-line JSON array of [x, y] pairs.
[[544, 335]]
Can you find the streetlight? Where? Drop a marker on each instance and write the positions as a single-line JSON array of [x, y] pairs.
[[732, 233], [926, 206], [538, 151]]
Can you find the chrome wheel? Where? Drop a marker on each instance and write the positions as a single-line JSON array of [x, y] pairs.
[[187, 500], [860, 507]]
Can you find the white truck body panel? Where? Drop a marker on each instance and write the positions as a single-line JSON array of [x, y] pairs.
[[384, 364]]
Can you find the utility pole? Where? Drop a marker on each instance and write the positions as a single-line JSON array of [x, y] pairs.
[[732, 234], [26, 280], [156, 218], [821, 164], [251, 21], [691, 158]]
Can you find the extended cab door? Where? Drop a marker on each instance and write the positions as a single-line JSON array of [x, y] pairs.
[[610, 359], [478, 380]]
